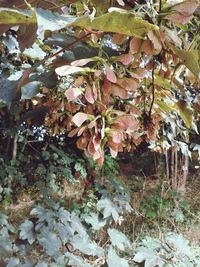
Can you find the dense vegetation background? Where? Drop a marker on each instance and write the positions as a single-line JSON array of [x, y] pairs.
[[99, 133]]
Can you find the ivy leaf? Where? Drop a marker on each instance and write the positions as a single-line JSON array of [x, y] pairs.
[[108, 208], [114, 260], [185, 113], [50, 242], [117, 21], [93, 219], [76, 260], [149, 256], [118, 239], [86, 246], [30, 89], [26, 231]]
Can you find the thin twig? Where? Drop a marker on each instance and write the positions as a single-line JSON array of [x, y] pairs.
[[160, 6]]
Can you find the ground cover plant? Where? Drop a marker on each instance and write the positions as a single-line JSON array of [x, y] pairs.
[[83, 82]]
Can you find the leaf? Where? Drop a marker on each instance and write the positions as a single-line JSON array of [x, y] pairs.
[[89, 94], [108, 208], [185, 113], [125, 59], [13, 262], [114, 260], [10, 16], [50, 242], [26, 231], [81, 117], [190, 59], [51, 20], [7, 89], [66, 70], [120, 21], [30, 89], [110, 75], [118, 239], [73, 93], [82, 62], [129, 84], [76, 260], [135, 45], [93, 219], [86, 246], [182, 12], [35, 52], [41, 264], [125, 122]]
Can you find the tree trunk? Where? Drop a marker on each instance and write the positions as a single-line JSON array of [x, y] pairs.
[[177, 169]]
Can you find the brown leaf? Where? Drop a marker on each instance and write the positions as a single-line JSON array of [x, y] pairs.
[[125, 59], [110, 75], [135, 45], [117, 90], [129, 84], [89, 95]]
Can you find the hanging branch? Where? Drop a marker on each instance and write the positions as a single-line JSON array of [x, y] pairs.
[[153, 89]]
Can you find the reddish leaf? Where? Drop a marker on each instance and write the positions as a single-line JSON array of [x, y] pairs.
[[135, 45], [128, 84], [117, 90], [110, 75], [147, 47], [125, 59], [183, 12], [154, 39], [73, 93], [81, 117], [81, 62], [125, 122], [117, 136], [73, 132], [89, 95]]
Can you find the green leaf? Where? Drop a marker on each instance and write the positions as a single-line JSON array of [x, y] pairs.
[[185, 113], [93, 219], [118, 239], [26, 231], [108, 208], [190, 59], [117, 21], [10, 16], [86, 246], [114, 260], [76, 260], [50, 242], [30, 89]]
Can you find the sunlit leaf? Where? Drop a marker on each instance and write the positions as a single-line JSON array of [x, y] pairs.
[[66, 70], [185, 113], [120, 21], [114, 260], [118, 239], [81, 117]]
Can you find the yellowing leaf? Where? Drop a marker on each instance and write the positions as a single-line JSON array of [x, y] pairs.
[[185, 113], [117, 21], [190, 59], [10, 16]]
